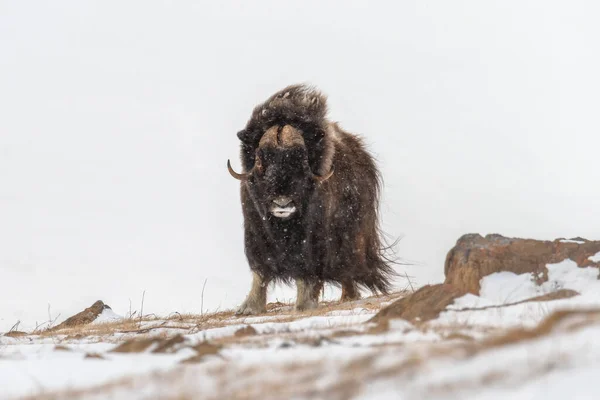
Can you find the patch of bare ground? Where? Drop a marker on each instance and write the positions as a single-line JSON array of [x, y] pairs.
[[248, 330], [422, 305], [159, 345]]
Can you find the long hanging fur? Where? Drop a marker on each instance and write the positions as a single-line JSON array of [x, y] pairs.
[[338, 239]]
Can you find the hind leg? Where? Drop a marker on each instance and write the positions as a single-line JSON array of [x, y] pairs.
[[308, 294], [349, 291]]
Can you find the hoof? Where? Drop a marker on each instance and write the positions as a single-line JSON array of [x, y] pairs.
[[307, 305], [346, 298], [248, 308]]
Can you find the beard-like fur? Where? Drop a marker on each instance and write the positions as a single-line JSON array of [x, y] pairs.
[[337, 239]]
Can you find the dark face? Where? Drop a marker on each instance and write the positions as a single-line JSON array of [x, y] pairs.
[[282, 180]]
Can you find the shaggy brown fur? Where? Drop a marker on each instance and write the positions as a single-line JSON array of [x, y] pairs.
[[288, 148]]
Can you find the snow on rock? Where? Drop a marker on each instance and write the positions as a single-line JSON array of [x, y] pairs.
[[507, 287], [572, 241], [107, 315], [595, 258], [499, 291]]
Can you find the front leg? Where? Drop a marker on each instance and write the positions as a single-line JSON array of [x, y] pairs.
[[349, 291], [308, 294], [256, 302]]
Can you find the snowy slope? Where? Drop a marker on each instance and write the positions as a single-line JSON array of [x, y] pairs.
[[481, 347]]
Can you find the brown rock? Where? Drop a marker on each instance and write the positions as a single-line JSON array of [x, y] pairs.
[[475, 256], [424, 304], [83, 318]]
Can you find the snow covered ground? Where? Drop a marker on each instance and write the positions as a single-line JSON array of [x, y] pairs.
[[492, 346]]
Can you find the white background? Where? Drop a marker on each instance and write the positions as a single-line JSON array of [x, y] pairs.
[[117, 118]]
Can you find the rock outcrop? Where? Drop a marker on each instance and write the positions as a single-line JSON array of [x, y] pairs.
[[475, 256], [85, 317]]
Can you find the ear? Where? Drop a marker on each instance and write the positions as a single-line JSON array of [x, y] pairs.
[[243, 135]]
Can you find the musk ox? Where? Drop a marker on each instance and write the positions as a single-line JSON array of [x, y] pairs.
[[310, 194]]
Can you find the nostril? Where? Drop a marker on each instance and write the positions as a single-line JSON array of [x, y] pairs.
[[282, 201]]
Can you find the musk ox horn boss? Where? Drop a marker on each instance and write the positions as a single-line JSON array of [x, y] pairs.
[[310, 199]]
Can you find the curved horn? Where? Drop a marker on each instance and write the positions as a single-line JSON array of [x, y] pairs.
[[323, 178], [241, 177]]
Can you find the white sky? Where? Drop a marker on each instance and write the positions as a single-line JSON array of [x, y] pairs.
[[117, 118]]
